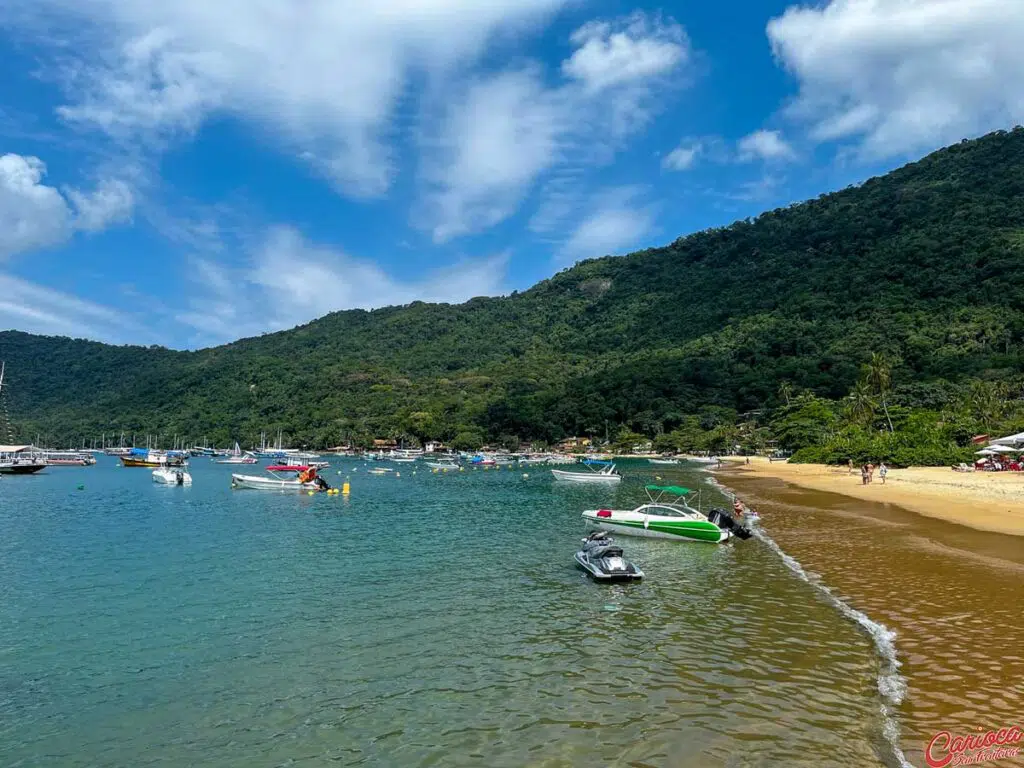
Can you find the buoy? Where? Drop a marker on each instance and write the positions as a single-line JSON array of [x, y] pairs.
[[345, 489], [462, 469], [310, 492], [81, 487], [398, 474], [525, 475]]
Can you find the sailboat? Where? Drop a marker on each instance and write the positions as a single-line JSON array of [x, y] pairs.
[[237, 457]]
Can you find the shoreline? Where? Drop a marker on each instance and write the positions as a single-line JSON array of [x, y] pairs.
[[987, 501]]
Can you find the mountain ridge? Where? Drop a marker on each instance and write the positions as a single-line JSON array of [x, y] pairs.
[[922, 264]]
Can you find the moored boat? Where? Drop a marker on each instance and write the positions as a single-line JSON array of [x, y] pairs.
[[663, 461], [605, 475], [20, 460], [604, 561], [259, 483], [675, 520], [237, 457], [140, 457], [172, 477]]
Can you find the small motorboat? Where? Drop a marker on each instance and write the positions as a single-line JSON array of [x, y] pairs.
[[604, 561], [664, 461], [172, 476], [273, 483], [606, 475], [442, 466], [673, 519]]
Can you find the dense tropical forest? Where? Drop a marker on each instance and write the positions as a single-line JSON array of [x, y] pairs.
[[882, 321]]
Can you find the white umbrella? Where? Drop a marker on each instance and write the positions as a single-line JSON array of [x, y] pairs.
[[1010, 439], [1005, 449], [986, 452]]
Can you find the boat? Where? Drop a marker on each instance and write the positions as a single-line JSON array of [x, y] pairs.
[[141, 457], [20, 460], [68, 459], [673, 519], [704, 459], [664, 461], [237, 457], [272, 483], [442, 466], [298, 467], [604, 561], [172, 476], [380, 471], [403, 459], [605, 475]]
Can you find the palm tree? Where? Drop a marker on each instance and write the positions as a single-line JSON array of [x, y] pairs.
[[878, 373], [862, 403], [786, 392]]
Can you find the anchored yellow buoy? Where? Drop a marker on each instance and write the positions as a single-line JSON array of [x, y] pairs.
[[345, 489], [311, 492]]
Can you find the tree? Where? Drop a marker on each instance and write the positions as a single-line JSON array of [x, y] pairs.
[[878, 374]]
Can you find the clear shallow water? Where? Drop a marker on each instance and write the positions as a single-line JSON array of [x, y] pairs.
[[427, 620]]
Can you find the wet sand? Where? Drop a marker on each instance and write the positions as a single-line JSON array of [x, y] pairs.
[[952, 594], [988, 501]]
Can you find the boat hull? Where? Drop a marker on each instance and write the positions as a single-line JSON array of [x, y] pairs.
[[672, 462], [582, 477], [598, 575], [172, 477], [254, 482], [630, 524], [21, 468]]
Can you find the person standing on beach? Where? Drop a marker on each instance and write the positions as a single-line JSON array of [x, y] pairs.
[[871, 472], [883, 471], [863, 474], [850, 463]]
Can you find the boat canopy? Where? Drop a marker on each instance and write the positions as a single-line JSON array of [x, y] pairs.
[[675, 490], [14, 448], [597, 461]]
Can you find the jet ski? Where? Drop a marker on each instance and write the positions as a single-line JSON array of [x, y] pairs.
[[603, 560]]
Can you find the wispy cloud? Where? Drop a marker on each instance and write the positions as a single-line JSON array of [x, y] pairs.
[[617, 220], [30, 307], [509, 129], [325, 81], [287, 281], [764, 145], [683, 157]]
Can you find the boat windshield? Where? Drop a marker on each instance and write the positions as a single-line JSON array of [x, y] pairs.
[[667, 510]]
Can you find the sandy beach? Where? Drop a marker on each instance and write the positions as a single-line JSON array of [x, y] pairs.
[[988, 501]]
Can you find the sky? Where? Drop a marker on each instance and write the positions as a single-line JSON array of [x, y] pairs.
[[193, 172]]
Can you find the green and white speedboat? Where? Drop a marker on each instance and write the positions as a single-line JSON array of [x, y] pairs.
[[658, 519]]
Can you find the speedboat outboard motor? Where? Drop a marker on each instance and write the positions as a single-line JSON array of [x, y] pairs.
[[179, 477], [604, 561], [727, 522]]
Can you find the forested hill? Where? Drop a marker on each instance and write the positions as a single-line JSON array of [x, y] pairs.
[[924, 265]]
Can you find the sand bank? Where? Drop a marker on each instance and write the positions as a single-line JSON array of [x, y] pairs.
[[988, 501]]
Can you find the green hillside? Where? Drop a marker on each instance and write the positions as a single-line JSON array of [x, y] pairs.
[[924, 266]]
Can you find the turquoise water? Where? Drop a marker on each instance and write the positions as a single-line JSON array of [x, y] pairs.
[[427, 620]]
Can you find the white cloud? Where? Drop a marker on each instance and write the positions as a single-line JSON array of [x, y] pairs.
[[110, 203], [903, 75], [637, 48], [764, 145], [616, 222], [35, 309], [682, 157], [289, 281], [32, 215], [506, 132], [511, 128], [326, 79]]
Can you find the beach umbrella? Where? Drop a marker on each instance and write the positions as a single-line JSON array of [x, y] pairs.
[[1010, 440], [986, 452], [1005, 449]]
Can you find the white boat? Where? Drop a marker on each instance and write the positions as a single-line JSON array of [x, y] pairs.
[[663, 461], [403, 460], [442, 466], [605, 475], [172, 477], [237, 457], [261, 483], [704, 459]]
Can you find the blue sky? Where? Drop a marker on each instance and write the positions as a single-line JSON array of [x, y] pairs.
[[191, 174]]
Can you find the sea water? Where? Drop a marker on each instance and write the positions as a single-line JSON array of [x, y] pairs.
[[427, 619]]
